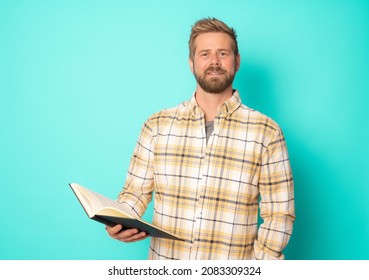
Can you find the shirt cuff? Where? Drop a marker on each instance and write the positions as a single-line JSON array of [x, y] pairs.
[[263, 253]]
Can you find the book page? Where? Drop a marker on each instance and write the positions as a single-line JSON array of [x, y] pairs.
[[97, 202]]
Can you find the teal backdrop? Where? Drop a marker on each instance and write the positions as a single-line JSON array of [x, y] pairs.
[[79, 77]]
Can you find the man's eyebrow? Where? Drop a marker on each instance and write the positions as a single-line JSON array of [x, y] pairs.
[[218, 50]]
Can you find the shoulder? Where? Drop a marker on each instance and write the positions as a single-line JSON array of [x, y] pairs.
[[167, 115], [263, 126], [257, 117], [169, 112]]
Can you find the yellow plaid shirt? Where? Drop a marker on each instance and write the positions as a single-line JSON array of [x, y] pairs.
[[208, 193]]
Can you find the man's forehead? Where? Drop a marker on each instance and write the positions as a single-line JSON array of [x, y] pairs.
[[213, 40], [213, 36]]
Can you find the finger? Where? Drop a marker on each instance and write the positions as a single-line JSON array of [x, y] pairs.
[[133, 238], [124, 234], [114, 230]]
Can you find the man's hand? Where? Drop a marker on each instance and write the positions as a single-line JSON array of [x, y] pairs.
[[128, 235]]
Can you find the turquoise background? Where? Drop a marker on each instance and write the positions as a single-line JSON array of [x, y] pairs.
[[79, 78]]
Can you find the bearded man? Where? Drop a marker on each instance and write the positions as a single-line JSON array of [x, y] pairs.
[[211, 164]]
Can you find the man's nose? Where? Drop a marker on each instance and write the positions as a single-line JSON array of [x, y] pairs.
[[215, 61]]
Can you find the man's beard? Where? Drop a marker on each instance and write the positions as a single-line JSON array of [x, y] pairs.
[[217, 84]]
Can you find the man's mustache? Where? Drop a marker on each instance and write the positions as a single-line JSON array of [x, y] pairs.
[[212, 69]]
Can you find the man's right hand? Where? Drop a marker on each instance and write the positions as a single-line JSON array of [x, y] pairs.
[[128, 235]]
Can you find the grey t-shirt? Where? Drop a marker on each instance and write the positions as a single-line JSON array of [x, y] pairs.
[[209, 129]]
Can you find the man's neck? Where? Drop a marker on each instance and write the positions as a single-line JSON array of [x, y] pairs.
[[210, 102]]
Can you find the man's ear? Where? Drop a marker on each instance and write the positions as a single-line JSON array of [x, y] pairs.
[[190, 62], [238, 62]]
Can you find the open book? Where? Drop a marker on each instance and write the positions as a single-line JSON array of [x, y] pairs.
[[110, 212]]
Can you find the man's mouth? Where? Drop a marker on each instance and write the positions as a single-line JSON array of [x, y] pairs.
[[215, 71]]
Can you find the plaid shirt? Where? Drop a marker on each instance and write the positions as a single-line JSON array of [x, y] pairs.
[[208, 193]]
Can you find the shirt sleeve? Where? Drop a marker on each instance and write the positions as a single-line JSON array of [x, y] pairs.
[[277, 207], [137, 191]]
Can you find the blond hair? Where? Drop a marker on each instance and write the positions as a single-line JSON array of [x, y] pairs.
[[207, 25]]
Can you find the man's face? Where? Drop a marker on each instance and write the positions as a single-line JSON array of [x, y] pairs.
[[214, 63]]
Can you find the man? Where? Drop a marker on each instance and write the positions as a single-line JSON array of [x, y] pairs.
[[208, 161]]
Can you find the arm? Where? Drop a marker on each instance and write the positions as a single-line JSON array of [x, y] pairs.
[[277, 200], [139, 186], [137, 192]]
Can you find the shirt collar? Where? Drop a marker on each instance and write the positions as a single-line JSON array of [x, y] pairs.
[[224, 110]]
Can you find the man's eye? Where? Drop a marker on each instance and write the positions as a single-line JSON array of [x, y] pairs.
[[204, 55]]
